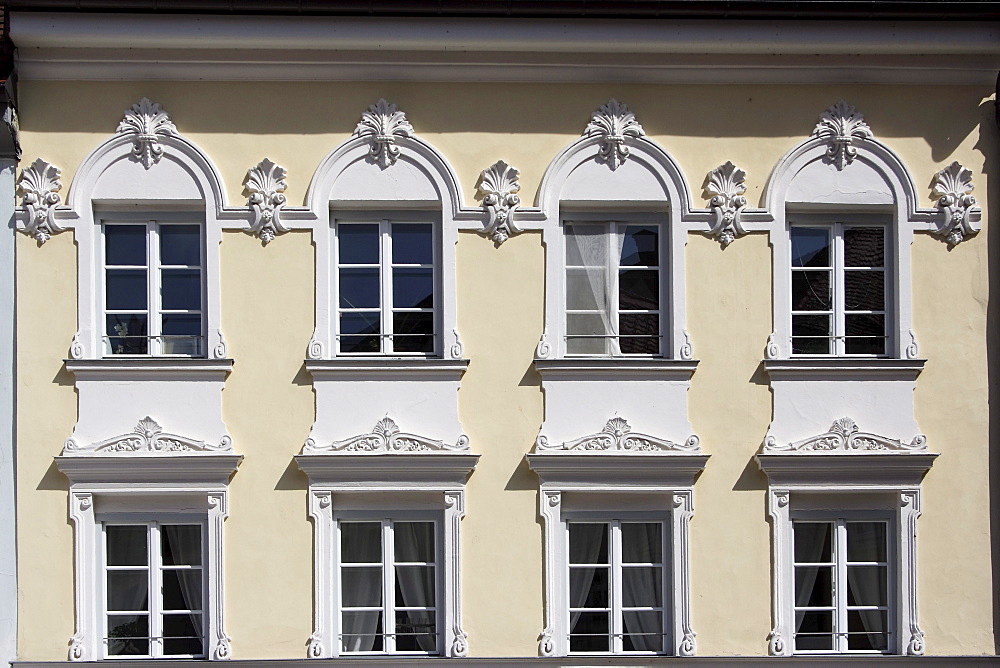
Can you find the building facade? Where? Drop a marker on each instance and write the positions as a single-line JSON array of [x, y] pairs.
[[503, 337]]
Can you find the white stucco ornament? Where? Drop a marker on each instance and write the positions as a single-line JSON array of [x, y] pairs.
[[840, 126], [146, 122], [953, 188], [844, 436], [617, 436], [40, 186], [385, 437], [148, 437], [727, 184], [613, 123], [266, 185], [381, 125], [499, 187]]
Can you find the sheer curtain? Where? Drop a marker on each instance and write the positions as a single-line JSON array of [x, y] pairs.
[[866, 585], [587, 245], [641, 588], [417, 583], [586, 541], [183, 545], [359, 627]]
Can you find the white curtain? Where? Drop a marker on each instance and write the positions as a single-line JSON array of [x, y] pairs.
[[641, 588], [818, 550], [185, 546], [867, 586], [359, 628], [586, 541], [416, 584], [587, 244]]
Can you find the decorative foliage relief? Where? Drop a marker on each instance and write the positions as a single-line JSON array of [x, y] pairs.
[[952, 187], [844, 436], [381, 124], [266, 183], [840, 125], [612, 123], [726, 184], [147, 122], [385, 437], [39, 186], [148, 437], [617, 436], [498, 185]]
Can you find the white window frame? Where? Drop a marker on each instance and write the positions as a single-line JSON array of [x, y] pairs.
[[385, 220], [155, 570], [154, 304]]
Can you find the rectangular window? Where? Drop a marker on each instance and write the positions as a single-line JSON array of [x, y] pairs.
[[613, 297], [154, 590], [153, 289], [389, 587], [839, 289], [386, 296], [616, 587], [842, 585]]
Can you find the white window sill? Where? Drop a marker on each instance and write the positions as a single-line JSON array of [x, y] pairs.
[[150, 368], [843, 368], [387, 368], [616, 368]]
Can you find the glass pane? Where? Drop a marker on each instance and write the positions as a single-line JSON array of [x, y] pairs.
[[362, 631], [359, 344], [811, 334], [180, 244], [640, 247], [415, 587], [128, 635], [867, 630], [413, 332], [811, 291], [589, 632], [181, 334], [586, 289], [182, 589], [588, 543], [642, 543], [864, 247], [865, 334], [638, 290], [864, 290], [813, 586], [413, 541], [126, 289], [813, 542], [128, 591], [361, 542], [181, 289], [586, 245], [643, 631], [810, 247], [360, 323], [412, 243], [361, 587], [182, 634], [814, 630], [866, 541], [127, 334], [642, 586], [416, 631], [866, 585], [180, 544], [413, 288], [126, 545], [125, 245], [639, 333], [359, 288], [588, 588], [358, 243]]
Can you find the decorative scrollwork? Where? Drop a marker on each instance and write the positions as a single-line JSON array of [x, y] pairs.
[[771, 349], [617, 436], [499, 187], [266, 185], [952, 187], [385, 437], [687, 350], [844, 436], [314, 350], [147, 122], [775, 643], [148, 437], [382, 124], [840, 125], [315, 645], [40, 186], [727, 184], [457, 348], [613, 123]]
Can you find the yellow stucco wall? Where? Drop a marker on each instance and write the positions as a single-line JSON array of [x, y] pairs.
[[267, 311]]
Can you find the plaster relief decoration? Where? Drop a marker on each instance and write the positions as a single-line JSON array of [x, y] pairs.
[[498, 185], [382, 124], [726, 185], [844, 436], [952, 187], [266, 185], [148, 437], [385, 437], [839, 126], [613, 123], [40, 186], [147, 122], [617, 437]]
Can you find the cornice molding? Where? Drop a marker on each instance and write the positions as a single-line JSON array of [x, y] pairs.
[[127, 470], [150, 368], [608, 368], [386, 438], [389, 470], [837, 470], [399, 368], [843, 368], [651, 471], [266, 184], [617, 437]]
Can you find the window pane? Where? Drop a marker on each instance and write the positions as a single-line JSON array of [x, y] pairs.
[[182, 589], [811, 291], [866, 585], [181, 334], [126, 545], [810, 247], [413, 541], [813, 586], [867, 630], [358, 243], [586, 245], [413, 288], [362, 631], [180, 544], [638, 290], [811, 334], [642, 543], [588, 588], [126, 289], [416, 631], [642, 586], [864, 290], [127, 334], [640, 247], [865, 334], [643, 631], [586, 289], [361, 587], [866, 541], [639, 333], [589, 632], [359, 323], [182, 634], [359, 288], [588, 325], [413, 332], [415, 587], [588, 543], [361, 542], [125, 245], [180, 244], [181, 289], [412, 243], [813, 542], [864, 247], [814, 630], [128, 591], [128, 635]]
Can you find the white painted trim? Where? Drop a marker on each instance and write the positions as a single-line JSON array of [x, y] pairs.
[[843, 368], [621, 368], [8, 519], [152, 368], [368, 368]]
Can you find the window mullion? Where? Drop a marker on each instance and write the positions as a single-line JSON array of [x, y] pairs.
[[388, 589], [616, 587], [839, 319], [386, 344], [155, 597], [153, 299], [840, 583], [612, 288]]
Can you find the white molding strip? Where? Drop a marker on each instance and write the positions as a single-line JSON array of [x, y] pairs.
[[8, 546]]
